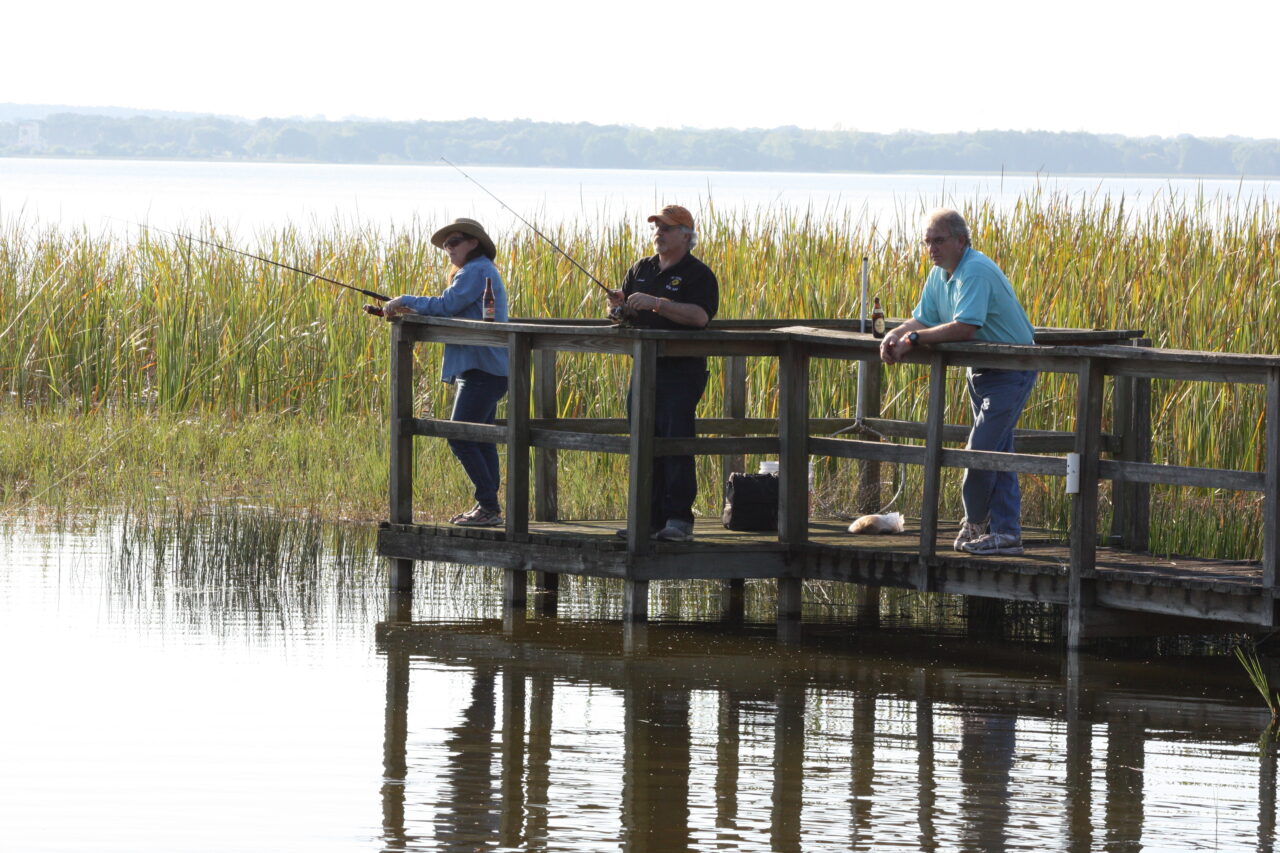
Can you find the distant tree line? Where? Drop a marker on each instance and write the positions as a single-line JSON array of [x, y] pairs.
[[582, 145]]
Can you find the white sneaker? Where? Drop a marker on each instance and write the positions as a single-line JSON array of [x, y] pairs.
[[968, 533], [993, 544]]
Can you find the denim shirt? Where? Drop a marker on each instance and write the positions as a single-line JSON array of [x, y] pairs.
[[464, 299]]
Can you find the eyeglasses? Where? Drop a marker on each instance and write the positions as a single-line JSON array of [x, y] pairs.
[[936, 241], [455, 240], [665, 229]]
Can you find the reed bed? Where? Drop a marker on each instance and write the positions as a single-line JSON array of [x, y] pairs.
[[132, 365]]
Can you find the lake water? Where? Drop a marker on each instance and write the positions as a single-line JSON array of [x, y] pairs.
[[108, 195], [235, 682]]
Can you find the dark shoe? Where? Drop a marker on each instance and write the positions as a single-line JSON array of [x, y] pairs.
[[675, 531], [479, 517]]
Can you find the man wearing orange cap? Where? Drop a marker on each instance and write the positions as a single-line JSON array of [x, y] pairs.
[[672, 290]]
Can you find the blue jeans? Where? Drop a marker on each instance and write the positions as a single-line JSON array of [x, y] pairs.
[[675, 478], [477, 403], [997, 398]]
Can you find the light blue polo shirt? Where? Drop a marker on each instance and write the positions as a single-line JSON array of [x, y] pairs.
[[978, 294]]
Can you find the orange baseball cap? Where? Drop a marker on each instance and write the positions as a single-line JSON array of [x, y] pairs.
[[673, 214]]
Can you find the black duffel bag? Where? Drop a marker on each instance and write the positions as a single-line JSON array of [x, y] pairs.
[[751, 502]]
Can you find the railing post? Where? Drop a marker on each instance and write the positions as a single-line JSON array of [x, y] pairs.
[[644, 375], [937, 418], [546, 476], [793, 441], [400, 571], [1084, 504], [546, 481], [735, 406], [1271, 491], [868, 493], [1131, 517], [1122, 423], [518, 351], [515, 581]]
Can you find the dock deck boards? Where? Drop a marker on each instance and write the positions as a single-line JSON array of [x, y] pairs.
[[1170, 585]]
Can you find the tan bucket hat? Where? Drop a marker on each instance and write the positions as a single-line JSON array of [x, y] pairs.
[[469, 227]]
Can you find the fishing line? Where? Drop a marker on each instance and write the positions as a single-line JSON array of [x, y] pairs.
[[256, 337], [550, 242], [371, 294]]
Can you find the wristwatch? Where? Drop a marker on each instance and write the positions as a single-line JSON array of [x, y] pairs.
[[914, 337]]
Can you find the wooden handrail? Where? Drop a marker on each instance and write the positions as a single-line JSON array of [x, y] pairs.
[[1095, 356]]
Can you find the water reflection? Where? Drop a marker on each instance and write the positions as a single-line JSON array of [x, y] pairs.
[[244, 654], [727, 739]]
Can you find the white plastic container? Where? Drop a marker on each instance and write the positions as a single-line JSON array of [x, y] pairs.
[[770, 466]]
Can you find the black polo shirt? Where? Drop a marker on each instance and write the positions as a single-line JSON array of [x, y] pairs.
[[687, 280]]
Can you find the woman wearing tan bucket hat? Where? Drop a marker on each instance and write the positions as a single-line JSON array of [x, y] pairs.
[[480, 373]]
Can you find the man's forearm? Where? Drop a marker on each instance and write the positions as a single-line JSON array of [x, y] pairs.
[[944, 333], [684, 313], [906, 327]]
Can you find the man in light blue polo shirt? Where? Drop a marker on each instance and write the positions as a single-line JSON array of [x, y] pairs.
[[967, 297]]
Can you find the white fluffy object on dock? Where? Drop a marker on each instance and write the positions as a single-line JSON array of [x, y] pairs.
[[889, 522]]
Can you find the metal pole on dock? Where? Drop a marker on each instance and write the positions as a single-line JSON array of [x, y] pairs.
[[862, 327]]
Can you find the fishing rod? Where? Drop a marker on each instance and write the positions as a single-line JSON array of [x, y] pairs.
[[550, 242], [372, 309]]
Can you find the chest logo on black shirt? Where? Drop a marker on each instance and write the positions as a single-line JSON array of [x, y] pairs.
[[674, 284]]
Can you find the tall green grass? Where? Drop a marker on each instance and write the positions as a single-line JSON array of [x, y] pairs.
[[126, 351]]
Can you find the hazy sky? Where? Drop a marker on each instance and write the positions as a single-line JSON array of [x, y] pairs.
[[1120, 66]]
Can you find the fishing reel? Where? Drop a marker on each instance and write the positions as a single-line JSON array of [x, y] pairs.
[[619, 318]]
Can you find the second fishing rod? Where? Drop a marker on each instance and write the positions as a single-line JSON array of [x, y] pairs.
[[548, 240]]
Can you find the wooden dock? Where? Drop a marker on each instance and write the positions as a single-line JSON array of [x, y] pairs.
[[1105, 589]]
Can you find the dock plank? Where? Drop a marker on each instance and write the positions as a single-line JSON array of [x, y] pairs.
[[1199, 588]]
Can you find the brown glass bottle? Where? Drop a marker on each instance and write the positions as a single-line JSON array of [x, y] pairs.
[[490, 304], [877, 319]]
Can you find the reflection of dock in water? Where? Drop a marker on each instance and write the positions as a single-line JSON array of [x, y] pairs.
[[1105, 580], [927, 729]]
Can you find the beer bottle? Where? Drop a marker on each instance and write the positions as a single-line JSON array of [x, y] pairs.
[[877, 319], [490, 304]]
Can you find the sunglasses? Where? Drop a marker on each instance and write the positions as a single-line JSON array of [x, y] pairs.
[[455, 240]]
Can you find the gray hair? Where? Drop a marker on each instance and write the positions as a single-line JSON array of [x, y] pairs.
[[952, 220], [693, 236]]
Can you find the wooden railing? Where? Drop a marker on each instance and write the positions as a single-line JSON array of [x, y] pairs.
[[1092, 356]]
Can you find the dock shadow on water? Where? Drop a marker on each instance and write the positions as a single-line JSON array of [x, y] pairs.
[[248, 675]]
